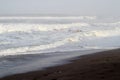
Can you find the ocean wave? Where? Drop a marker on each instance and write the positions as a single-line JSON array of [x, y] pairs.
[[4, 28], [22, 50], [25, 27], [76, 37], [23, 38], [50, 17], [108, 24]]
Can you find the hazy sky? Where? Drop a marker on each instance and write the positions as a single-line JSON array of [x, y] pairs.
[[79, 7]]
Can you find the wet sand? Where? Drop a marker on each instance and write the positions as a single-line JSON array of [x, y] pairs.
[[97, 66]]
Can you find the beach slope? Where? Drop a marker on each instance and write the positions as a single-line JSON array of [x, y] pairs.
[[98, 66]]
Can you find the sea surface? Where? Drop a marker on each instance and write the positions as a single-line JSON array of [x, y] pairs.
[[29, 38]]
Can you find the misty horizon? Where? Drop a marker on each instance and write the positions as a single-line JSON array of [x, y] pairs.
[[59, 7]]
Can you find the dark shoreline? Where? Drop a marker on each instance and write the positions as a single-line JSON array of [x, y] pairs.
[[98, 66]]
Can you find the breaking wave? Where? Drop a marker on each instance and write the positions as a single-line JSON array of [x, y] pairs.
[[23, 38], [51, 17], [37, 27]]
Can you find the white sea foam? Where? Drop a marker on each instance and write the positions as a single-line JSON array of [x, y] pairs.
[[22, 50], [4, 28], [23, 38], [50, 17]]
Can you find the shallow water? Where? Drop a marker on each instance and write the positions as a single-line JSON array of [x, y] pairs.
[[24, 63]]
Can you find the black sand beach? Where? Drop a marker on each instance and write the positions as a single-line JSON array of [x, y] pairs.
[[98, 66]]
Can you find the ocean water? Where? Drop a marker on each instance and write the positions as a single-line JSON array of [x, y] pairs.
[[36, 42], [31, 35]]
